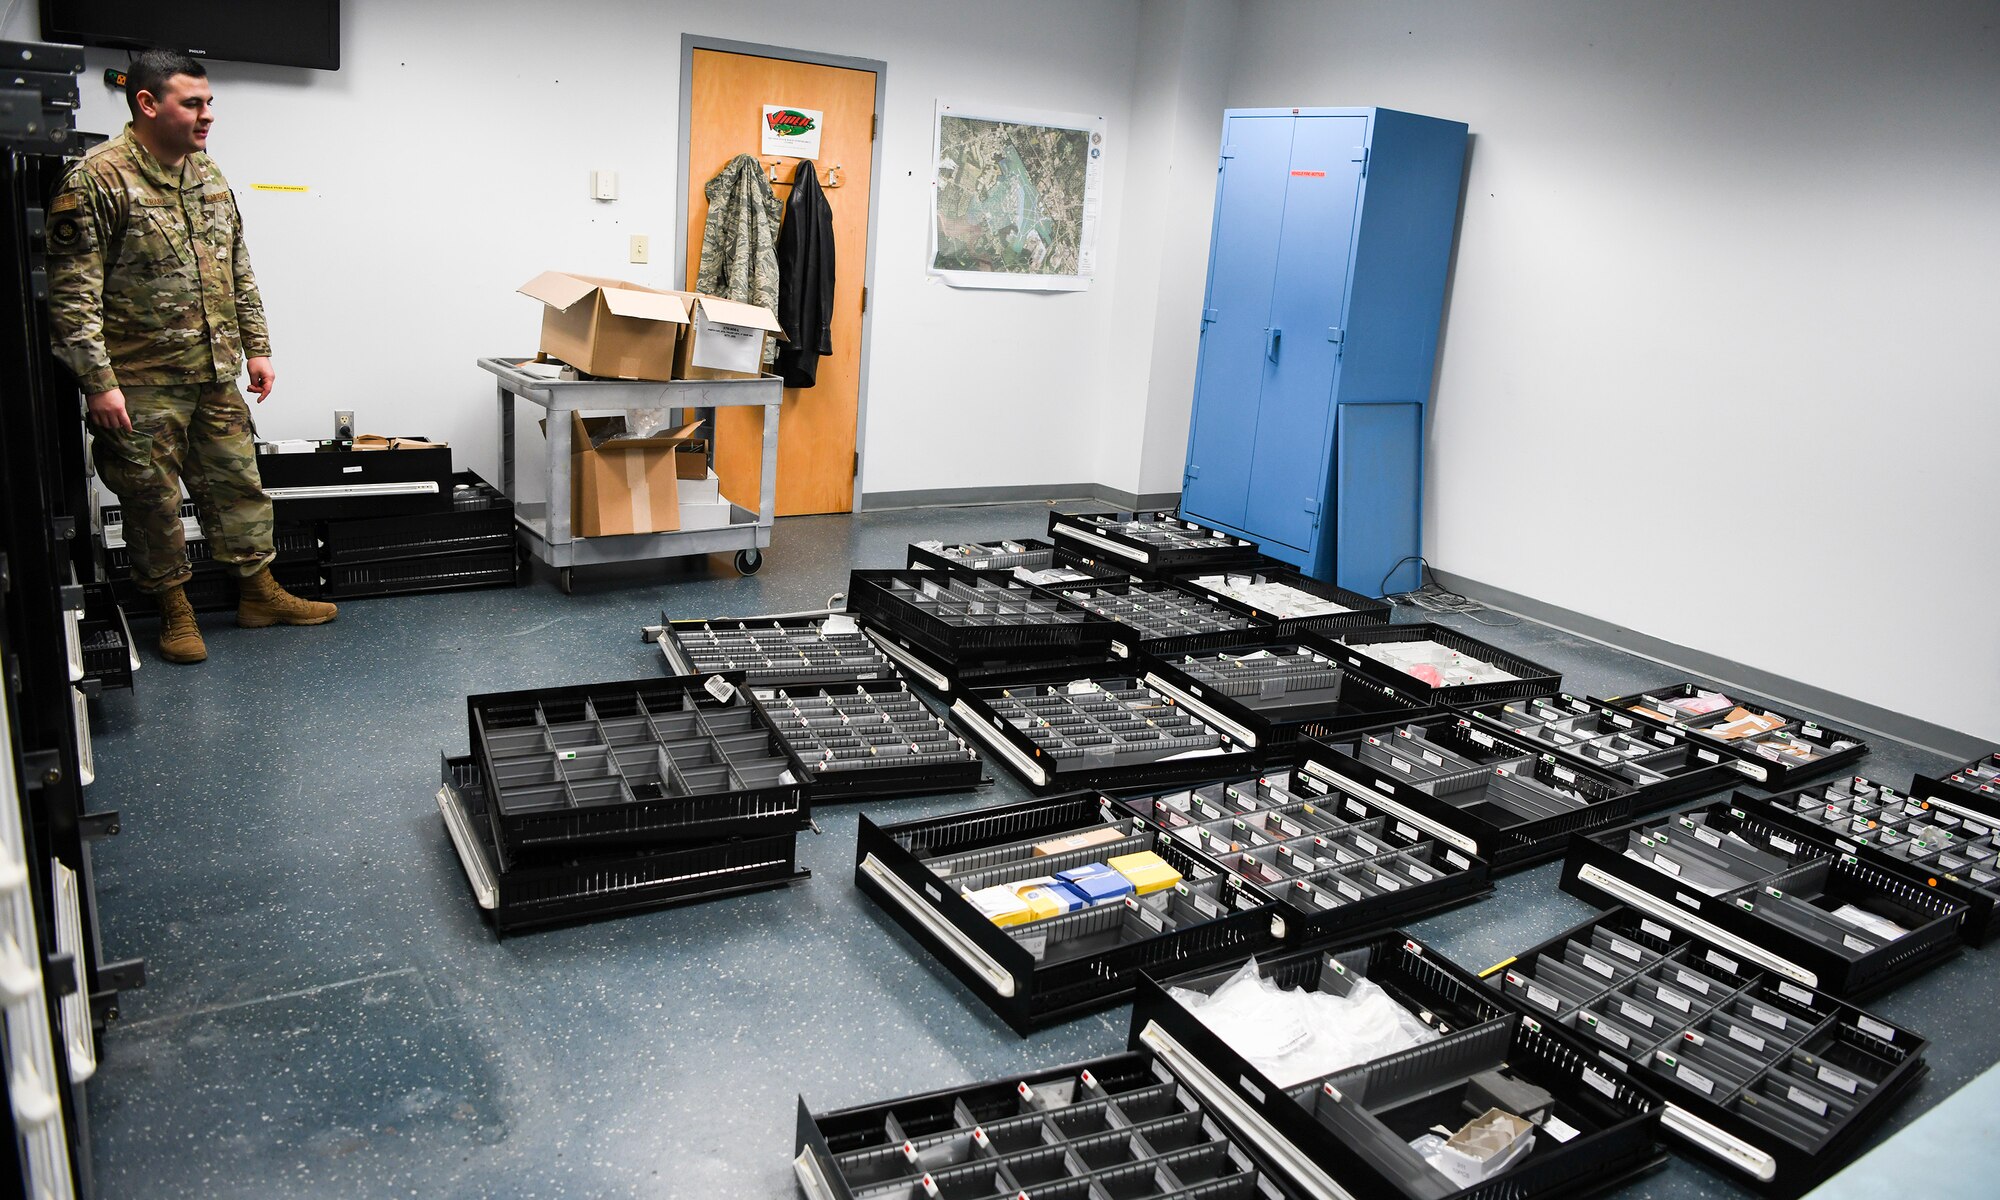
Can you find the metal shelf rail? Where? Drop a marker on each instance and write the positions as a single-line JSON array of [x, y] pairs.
[[546, 528]]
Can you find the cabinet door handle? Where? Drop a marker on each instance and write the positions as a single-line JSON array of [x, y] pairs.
[[1271, 345]]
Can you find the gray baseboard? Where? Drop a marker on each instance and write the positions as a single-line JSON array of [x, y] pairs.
[[966, 497], [1845, 710]]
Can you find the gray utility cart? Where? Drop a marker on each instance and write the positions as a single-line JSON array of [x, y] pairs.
[[546, 527]]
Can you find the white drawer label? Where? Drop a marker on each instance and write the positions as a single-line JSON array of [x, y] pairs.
[[1695, 1080], [1870, 1025], [1594, 963], [1633, 1012], [1728, 964], [1739, 1034], [1807, 1101], [1828, 1075]]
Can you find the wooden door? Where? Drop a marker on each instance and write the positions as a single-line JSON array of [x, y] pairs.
[[816, 428]]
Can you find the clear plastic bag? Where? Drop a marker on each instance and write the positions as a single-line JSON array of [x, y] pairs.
[[1294, 1035]]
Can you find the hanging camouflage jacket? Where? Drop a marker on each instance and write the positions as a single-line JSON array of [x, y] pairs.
[[149, 280], [739, 244]]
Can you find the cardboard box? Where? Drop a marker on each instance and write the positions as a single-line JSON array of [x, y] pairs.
[[724, 339], [608, 327], [691, 460], [622, 484]]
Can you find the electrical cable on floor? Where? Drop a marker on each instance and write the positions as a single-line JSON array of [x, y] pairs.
[[1434, 596]]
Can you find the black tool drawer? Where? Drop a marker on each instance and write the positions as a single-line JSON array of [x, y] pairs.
[[599, 765], [1820, 918], [1352, 1110], [1435, 665], [1269, 693], [870, 740], [1335, 864], [1776, 749], [933, 875], [1500, 799], [1780, 1082], [1154, 543], [1104, 731], [578, 887]]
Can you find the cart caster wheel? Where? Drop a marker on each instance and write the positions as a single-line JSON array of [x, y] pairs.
[[566, 580], [748, 562]]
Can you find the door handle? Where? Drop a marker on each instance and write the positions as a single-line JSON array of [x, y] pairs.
[[1272, 335]]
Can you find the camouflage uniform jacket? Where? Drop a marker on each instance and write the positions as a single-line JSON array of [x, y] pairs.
[[739, 244], [149, 281]]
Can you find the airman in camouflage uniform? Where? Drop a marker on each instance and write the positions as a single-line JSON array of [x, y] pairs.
[[155, 310]]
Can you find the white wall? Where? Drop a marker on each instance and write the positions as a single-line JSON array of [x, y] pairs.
[[448, 161], [1184, 47], [1724, 275]]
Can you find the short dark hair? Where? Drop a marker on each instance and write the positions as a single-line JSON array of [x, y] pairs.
[[150, 71]]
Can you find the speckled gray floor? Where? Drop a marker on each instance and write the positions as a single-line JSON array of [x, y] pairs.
[[328, 1016]]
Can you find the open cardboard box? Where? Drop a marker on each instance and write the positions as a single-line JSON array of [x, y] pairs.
[[724, 339], [623, 484], [609, 327]]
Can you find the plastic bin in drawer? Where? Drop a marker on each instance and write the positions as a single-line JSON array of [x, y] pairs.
[[774, 651], [1821, 919], [1958, 853], [1154, 543], [1108, 731], [1292, 603], [933, 875], [597, 765], [869, 740], [1160, 617], [1435, 665], [1775, 749], [958, 615], [1491, 796], [595, 885], [1779, 1082], [1336, 864], [1665, 765], [1271, 692], [1455, 1054]]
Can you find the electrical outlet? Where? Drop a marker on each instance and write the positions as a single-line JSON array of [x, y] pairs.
[[343, 424], [642, 248]]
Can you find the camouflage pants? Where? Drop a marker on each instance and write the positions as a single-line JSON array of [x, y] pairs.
[[199, 432]]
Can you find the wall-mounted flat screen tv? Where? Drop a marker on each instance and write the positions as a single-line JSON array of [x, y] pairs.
[[287, 33]]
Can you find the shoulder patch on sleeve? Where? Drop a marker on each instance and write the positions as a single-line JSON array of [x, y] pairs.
[[66, 202], [65, 234]]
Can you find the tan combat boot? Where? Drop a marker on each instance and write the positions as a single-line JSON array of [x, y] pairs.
[[261, 602], [180, 638]]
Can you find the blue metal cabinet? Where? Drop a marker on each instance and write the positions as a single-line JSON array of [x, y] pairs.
[[1326, 275]]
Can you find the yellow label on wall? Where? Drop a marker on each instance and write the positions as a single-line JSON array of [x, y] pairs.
[[279, 187]]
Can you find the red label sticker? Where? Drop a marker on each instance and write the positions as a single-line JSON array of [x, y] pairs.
[[1309, 174]]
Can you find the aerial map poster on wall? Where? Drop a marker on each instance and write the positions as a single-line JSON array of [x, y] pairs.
[[1015, 196]]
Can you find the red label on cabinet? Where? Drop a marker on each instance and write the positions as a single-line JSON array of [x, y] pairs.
[[1309, 174]]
